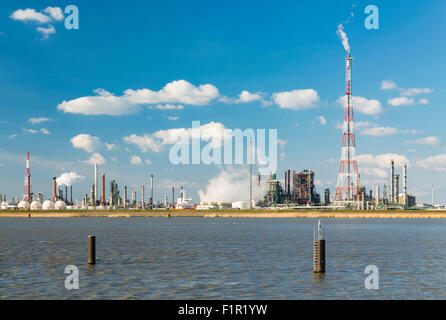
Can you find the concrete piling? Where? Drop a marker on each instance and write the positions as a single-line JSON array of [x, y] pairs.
[[319, 250], [91, 249]]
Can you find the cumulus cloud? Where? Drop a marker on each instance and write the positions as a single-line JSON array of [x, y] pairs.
[[69, 178], [296, 99], [363, 105], [38, 120], [172, 118], [381, 160], [96, 158], [437, 163], [130, 102], [87, 142], [148, 162], [401, 101], [388, 85], [55, 13], [46, 32], [135, 160], [214, 132], [111, 147], [27, 15], [145, 142], [230, 185], [428, 141]]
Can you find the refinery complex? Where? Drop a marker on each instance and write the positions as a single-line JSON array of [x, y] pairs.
[[296, 191]]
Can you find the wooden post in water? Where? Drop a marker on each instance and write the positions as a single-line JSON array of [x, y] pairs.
[[91, 249], [319, 250]]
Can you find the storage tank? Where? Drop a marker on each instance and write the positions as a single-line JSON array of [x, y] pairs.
[[23, 205], [48, 205], [60, 205], [36, 205]]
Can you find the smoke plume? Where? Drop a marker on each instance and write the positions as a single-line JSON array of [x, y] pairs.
[[68, 178], [232, 185], [343, 36]]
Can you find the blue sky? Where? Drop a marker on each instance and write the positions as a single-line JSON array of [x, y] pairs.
[[262, 47]]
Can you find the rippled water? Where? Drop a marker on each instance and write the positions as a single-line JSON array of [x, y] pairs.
[[221, 258]]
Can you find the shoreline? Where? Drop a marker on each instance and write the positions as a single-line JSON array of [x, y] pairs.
[[229, 214]]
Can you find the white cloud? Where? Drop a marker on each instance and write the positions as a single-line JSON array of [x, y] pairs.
[[172, 118], [437, 163], [46, 32], [106, 103], [87, 142], [96, 158], [167, 107], [388, 85], [380, 131], [416, 91], [423, 101], [55, 13], [44, 131], [375, 172], [401, 101], [429, 141], [30, 15], [246, 97], [69, 178], [111, 147], [144, 142], [363, 105], [33, 131], [38, 120], [381, 160], [148, 162], [322, 120], [296, 99], [135, 160]]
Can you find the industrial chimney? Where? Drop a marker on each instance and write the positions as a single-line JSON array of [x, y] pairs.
[[54, 189]]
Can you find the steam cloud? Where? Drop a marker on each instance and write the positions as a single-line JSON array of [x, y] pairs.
[[231, 185], [68, 178], [343, 36]]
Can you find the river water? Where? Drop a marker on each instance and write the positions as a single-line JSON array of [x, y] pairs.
[[221, 258]]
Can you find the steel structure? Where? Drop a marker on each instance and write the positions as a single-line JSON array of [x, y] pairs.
[[348, 192]]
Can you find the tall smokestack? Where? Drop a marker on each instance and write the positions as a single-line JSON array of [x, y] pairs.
[[392, 181], [66, 193], [173, 195], [103, 189], [285, 183], [95, 181], [27, 180], [142, 197], [54, 189], [289, 173], [405, 185], [396, 187], [125, 196], [151, 189], [377, 195], [71, 194]]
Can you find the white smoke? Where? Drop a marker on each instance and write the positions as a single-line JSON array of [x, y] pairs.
[[232, 185], [343, 36], [68, 178]]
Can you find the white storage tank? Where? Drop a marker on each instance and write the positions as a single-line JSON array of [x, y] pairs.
[[23, 205], [36, 205], [48, 205], [60, 205]]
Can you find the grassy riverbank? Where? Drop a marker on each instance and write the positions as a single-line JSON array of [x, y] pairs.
[[229, 214]]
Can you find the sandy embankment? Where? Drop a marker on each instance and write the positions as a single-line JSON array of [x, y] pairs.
[[228, 214]]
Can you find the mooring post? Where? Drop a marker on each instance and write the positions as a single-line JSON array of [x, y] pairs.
[[91, 249], [319, 250]]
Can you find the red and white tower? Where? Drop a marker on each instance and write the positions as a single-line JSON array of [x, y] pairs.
[[27, 180], [348, 192]]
